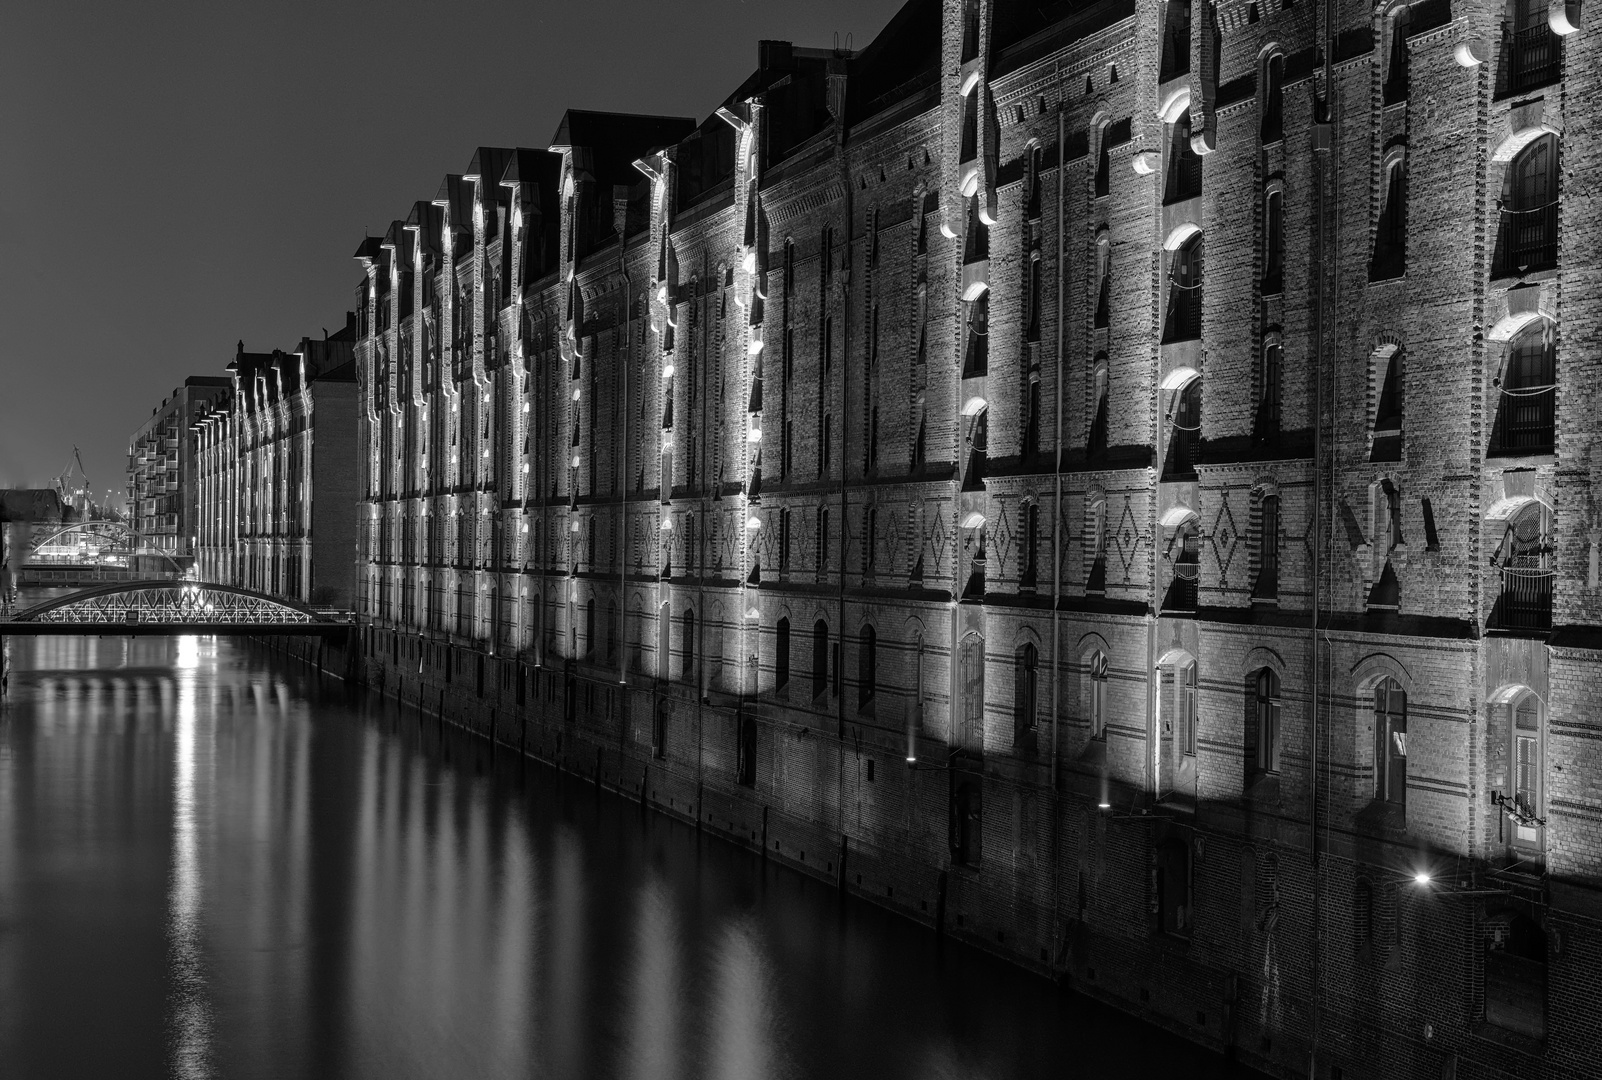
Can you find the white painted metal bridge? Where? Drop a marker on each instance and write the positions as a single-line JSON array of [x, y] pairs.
[[172, 607]]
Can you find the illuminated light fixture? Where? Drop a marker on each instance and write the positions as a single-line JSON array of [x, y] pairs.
[[974, 406], [574, 526], [667, 443], [525, 406], [575, 461], [754, 435], [486, 452], [755, 346], [1421, 878], [1104, 806], [753, 614], [662, 292], [576, 393], [753, 523], [973, 520], [667, 371], [525, 466], [667, 524], [525, 526], [749, 262]]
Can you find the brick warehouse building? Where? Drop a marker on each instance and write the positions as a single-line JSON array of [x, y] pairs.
[[1114, 482], [163, 475], [278, 474]]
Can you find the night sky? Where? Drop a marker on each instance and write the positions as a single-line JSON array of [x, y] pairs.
[[175, 177]]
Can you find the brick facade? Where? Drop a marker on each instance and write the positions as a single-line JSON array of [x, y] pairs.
[[1119, 487]]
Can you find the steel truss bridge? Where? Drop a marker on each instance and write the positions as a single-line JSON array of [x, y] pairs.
[[173, 607]]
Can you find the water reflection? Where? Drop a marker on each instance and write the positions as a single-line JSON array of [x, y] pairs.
[[190, 1005], [214, 864]]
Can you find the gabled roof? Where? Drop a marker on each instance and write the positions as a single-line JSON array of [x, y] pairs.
[[616, 140]]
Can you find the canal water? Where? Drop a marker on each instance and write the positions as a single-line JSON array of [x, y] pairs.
[[214, 862]]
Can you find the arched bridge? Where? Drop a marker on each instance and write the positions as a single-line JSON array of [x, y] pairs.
[[172, 607]]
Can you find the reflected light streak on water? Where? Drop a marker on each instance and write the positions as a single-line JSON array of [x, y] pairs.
[[190, 1019]]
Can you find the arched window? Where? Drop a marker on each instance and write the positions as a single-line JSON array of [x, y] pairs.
[[1270, 404], [870, 538], [1184, 430], [1527, 417], [589, 628], [784, 539], [1267, 584], [1036, 295], [1037, 167], [1103, 278], [1026, 695], [1396, 66], [781, 656], [1032, 417], [611, 630], [1184, 164], [976, 354], [1101, 380], [1525, 559], [1185, 293], [1103, 162], [1098, 694], [867, 668], [1273, 126], [1029, 577], [1263, 725], [971, 688], [1528, 237], [1096, 545], [1186, 715], [688, 670], [820, 657], [823, 539], [1388, 415], [1390, 231], [1527, 777], [1274, 242], [1390, 743], [1186, 554]]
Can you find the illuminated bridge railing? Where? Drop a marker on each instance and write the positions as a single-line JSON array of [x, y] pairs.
[[179, 603]]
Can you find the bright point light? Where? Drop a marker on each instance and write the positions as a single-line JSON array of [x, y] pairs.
[[1104, 805], [575, 461], [754, 347], [525, 406], [576, 393], [753, 522], [1421, 878], [754, 435], [667, 371]]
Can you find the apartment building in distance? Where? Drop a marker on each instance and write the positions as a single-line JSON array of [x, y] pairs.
[[279, 474], [162, 471], [1116, 482]]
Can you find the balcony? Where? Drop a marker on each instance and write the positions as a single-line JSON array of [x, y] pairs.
[[1527, 241], [1533, 57], [1527, 422], [1525, 606]]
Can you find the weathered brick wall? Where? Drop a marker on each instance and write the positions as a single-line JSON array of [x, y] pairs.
[[1074, 839]]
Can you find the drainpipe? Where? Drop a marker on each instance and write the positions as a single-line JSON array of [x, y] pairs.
[[1056, 516], [620, 211], [1056, 534]]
